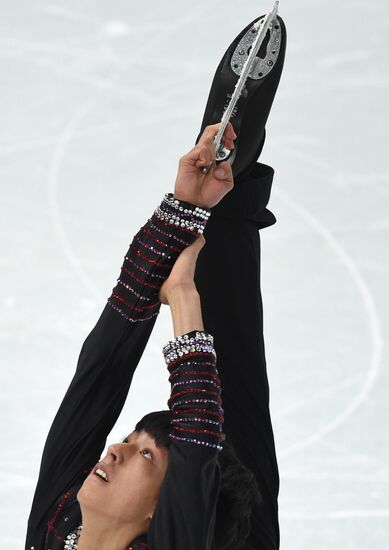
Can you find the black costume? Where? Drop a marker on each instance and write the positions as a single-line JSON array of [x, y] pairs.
[[227, 277]]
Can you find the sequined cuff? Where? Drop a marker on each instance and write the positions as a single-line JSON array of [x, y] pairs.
[[174, 225], [195, 399], [182, 213]]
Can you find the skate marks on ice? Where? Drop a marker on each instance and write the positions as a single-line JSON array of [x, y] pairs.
[[322, 458], [373, 322], [334, 475]]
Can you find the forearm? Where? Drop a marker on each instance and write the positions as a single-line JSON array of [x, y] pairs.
[[191, 358], [174, 225], [185, 309], [112, 350]]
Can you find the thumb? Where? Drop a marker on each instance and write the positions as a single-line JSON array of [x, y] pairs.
[[223, 172]]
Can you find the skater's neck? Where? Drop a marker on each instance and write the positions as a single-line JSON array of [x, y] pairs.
[[106, 535]]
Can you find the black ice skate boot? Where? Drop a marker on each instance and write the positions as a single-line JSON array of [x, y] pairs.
[[252, 180], [252, 109]]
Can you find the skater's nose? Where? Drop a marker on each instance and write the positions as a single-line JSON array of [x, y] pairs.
[[120, 452]]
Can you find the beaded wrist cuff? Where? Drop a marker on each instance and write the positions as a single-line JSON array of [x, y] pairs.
[[195, 389], [187, 343], [182, 213], [174, 225]]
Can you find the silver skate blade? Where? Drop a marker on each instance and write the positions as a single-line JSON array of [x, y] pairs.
[[259, 30]]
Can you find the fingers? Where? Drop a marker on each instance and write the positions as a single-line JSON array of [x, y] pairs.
[[204, 153], [201, 154], [229, 136], [211, 131]]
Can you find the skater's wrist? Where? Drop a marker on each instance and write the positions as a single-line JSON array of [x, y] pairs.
[[185, 308], [184, 289]]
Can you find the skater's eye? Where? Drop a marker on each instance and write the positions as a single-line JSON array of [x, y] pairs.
[[147, 451]]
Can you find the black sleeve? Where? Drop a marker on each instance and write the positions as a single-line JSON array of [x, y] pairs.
[[186, 511], [111, 352]]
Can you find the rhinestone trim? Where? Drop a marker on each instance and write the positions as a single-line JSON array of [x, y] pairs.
[[203, 379], [173, 226], [72, 539]]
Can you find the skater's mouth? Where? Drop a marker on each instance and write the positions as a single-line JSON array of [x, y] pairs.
[[101, 472]]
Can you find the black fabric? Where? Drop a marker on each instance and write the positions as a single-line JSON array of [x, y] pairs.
[[228, 280], [98, 391], [249, 197], [253, 107]]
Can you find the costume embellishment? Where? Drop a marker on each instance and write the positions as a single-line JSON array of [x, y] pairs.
[[71, 542], [174, 225], [72, 539], [187, 424]]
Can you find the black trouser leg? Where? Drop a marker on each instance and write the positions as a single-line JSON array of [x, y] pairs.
[[228, 280]]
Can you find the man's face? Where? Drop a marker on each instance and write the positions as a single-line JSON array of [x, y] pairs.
[[134, 470]]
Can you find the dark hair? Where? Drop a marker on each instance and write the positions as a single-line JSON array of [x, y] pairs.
[[238, 489]]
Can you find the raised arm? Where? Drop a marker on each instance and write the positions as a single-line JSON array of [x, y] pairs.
[[186, 510], [111, 352]]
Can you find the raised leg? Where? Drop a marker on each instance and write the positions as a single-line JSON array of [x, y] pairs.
[[228, 280]]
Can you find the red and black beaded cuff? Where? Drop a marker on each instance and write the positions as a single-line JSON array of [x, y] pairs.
[[174, 225], [195, 399]]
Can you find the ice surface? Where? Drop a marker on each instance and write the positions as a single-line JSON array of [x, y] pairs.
[[98, 102]]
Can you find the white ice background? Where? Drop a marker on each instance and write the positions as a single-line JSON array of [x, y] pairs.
[[98, 100]]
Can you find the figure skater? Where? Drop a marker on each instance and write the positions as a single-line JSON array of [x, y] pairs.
[[201, 475]]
